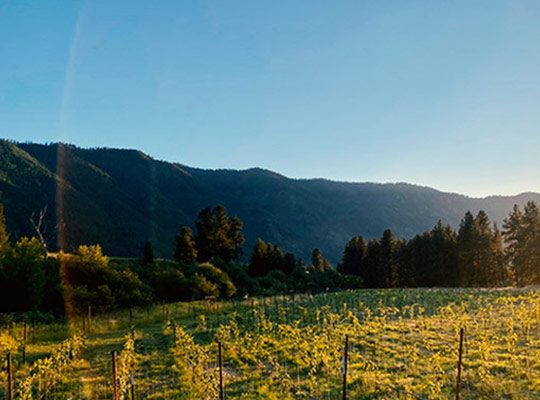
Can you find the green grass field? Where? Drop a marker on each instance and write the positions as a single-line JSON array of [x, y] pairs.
[[403, 345]]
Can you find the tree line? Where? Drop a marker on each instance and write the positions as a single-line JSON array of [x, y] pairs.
[[478, 254], [208, 263]]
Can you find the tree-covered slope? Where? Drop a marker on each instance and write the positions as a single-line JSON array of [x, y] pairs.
[[122, 198]]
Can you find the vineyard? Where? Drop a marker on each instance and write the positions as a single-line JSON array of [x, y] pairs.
[[402, 344]]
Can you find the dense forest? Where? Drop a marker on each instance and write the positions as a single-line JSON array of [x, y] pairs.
[[121, 198], [207, 264]]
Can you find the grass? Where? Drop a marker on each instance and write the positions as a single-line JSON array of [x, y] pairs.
[[403, 345]]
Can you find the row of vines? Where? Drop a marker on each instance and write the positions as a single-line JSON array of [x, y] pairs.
[[403, 344], [407, 351]]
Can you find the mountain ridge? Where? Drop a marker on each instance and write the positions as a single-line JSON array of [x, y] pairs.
[[122, 197]]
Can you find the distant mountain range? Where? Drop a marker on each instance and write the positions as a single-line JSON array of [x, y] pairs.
[[122, 198]]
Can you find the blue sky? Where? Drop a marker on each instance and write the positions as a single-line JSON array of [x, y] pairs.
[[437, 93]]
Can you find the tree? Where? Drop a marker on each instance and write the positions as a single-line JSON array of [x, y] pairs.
[[218, 235], [219, 278], [354, 257], [258, 263], [382, 268], [371, 274], [267, 257], [479, 252], [389, 250], [522, 237], [430, 259], [148, 256], [318, 262], [4, 236], [185, 251], [91, 281], [22, 276]]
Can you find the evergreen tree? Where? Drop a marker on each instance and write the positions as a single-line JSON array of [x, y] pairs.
[[289, 263], [371, 273], [267, 257], [430, 259], [479, 252], [389, 267], [354, 256], [218, 235], [382, 266], [4, 236], [257, 263], [185, 250], [148, 256], [522, 238], [319, 263]]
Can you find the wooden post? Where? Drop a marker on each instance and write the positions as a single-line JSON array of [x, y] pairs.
[[115, 390], [24, 343], [10, 378], [344, 371], [460, 357], [220, 356], [130, 317], [132, 384]]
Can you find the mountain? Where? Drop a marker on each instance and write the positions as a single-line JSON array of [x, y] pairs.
[[122, 198]]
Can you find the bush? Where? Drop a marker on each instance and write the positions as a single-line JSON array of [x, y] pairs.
[[224, 284]]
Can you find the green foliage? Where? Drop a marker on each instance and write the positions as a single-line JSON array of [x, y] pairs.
[[319, 263], [431, 259], [382, 263], [107, 196], [4, 236], [403, 344], [170, 284], [267, 257], [480, 253], [354, 255], [196, 380], [218, 235], [219, 278], [47, 372], [185, 250], [522, 238], [126, 366], [23, 276], [238, 274], [89, 281]]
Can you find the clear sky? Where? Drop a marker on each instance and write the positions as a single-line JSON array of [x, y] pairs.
[[437, 93]]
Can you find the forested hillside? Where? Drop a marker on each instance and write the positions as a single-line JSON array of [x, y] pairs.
[[124, 198]]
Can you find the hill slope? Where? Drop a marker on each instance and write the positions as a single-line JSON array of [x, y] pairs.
[[121, 198]]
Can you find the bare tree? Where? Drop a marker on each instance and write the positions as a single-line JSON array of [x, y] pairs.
[[37, 221]]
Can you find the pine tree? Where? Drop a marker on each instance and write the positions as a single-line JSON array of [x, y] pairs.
[[522, 238], [185, 250], [354, 256], [479, 251], [148, 256], [266, 257], [371, 273], [4, 236], [382, 268], [389, 260], [430, 259], [257, 263], [318, 262], [218, 235]]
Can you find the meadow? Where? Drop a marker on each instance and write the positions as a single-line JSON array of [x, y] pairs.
[[403, 344]]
